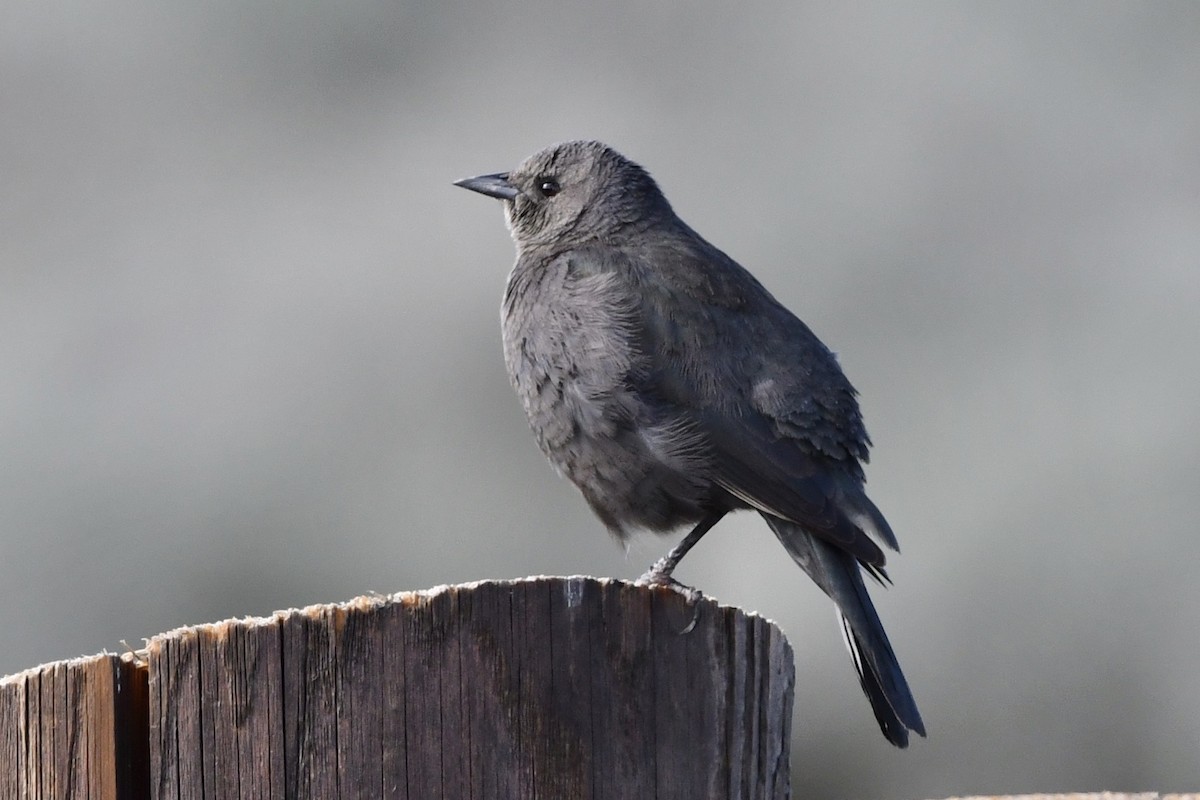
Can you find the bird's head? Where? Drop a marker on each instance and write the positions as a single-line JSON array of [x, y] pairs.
[[572, 193]]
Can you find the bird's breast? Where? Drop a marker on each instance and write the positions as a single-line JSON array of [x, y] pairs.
[[569, 348], [572, 343]]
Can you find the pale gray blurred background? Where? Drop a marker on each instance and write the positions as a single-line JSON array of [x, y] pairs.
[[250, 359]]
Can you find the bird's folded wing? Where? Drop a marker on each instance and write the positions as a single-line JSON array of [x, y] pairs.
[[776, 476]]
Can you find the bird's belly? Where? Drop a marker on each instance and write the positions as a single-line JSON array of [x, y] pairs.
[[635, 471]]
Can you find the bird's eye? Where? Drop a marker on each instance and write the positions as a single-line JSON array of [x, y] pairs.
[[548, 186]]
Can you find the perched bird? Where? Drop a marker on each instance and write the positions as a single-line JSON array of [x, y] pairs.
[[671, 388]]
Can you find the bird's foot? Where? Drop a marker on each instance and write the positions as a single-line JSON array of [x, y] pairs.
[[658, 576]]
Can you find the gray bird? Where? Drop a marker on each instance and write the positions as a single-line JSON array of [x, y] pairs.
[[671, 388]]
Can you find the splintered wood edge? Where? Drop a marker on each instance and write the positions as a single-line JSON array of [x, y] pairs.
[[79, 662], [572, 584]]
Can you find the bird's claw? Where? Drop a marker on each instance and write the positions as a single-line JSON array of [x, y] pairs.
[[655, 576]]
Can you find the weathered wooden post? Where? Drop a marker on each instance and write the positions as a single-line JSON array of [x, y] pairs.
[[544, 687]]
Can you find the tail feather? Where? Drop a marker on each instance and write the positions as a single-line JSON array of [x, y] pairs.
[[840, 576], [895, 730]]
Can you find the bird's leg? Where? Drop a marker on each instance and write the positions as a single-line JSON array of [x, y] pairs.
[[660, 573]]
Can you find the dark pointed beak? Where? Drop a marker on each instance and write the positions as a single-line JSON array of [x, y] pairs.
[[494, 185]]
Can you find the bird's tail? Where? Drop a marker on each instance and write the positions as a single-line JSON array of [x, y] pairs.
[[840, 576]]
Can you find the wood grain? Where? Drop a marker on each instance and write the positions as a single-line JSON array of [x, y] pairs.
[[547, 687], [75, 729]]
